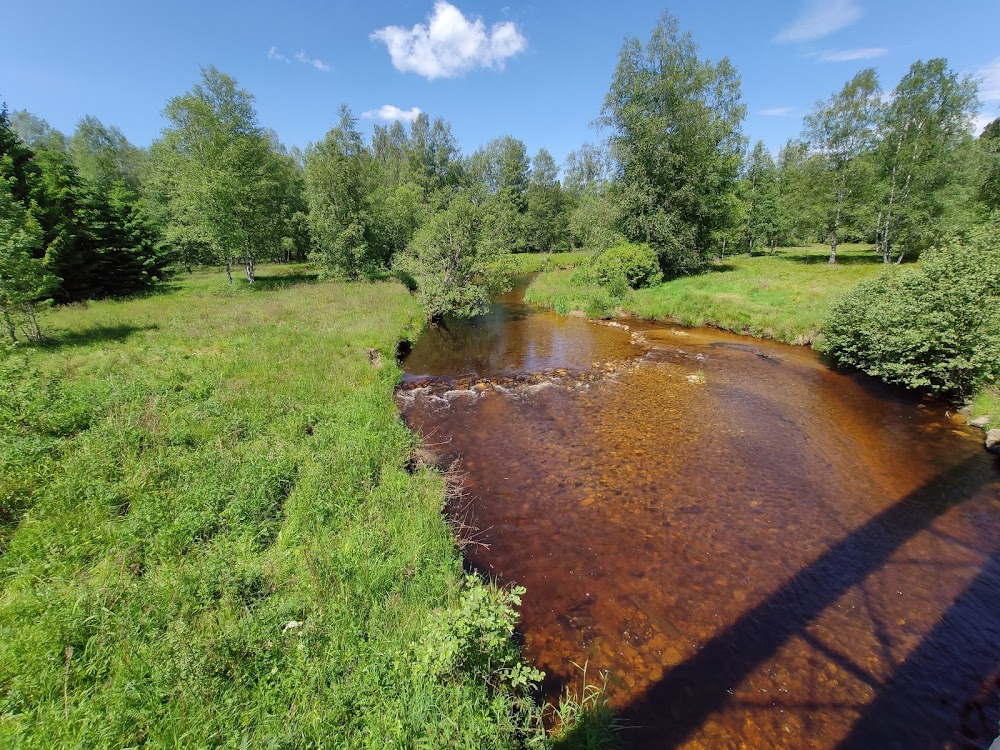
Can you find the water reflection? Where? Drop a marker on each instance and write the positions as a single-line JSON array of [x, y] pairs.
[[762, 552]]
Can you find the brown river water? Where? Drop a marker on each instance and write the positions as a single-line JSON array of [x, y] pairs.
[[760, 551]]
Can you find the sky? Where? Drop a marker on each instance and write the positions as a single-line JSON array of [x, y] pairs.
[[536, 70]]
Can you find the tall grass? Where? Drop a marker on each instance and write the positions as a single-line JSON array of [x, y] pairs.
[[208, 537]]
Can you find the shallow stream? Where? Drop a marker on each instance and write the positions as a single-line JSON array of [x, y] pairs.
[[759, 550]]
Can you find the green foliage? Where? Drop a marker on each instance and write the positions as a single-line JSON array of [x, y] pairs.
[[936, 326], [763, 223], [24, 278], [626, 266], [840, 132], [592, 222], [458, 265], [677, 143], [226, 191], [925, 134], [475, 640], [986, 403]]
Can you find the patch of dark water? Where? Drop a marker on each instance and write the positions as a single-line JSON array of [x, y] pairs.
[[761, 551]]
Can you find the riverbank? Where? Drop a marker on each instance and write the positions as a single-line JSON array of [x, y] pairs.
[[212, 532], [785, 296]]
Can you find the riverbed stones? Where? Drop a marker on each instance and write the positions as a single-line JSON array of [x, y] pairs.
[[993, 441], [980, 422]]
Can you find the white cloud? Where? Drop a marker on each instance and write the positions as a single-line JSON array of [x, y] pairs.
[[450, 44], [846, 55], [390, 112], [989, 81], [302, 57], [820, 18], [777, 112], [276, 54]]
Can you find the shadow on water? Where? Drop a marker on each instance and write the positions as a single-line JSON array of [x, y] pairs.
[[90, 336], [675, 707]]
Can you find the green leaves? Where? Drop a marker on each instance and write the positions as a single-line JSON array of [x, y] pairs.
[[677, 143], [458, 262], [936, 326]]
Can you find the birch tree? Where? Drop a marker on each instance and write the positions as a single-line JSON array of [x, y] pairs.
[[840, 131]]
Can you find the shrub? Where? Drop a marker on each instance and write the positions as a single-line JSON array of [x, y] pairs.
[[936, 326], [626, 266]]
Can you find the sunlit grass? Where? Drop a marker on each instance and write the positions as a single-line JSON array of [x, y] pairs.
[[785, 296], [207, 533]]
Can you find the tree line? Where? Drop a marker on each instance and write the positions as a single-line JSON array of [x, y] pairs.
[[92, 215]]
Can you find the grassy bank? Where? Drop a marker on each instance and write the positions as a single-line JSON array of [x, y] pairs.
[[987, 404], [536, 262], [208, 535], [785, 296]]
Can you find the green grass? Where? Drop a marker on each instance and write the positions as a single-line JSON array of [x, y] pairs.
[[987, 403], [208, 536], [535, 262], [786, 296]]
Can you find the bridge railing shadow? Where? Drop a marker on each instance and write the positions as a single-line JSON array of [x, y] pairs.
[[679, 703]]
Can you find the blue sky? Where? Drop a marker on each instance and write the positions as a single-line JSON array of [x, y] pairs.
[[534, 70]]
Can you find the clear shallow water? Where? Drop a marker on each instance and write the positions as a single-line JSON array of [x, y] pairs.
[[761, 552]]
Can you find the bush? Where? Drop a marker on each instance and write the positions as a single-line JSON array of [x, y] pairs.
[[936, 326], [626, 266]]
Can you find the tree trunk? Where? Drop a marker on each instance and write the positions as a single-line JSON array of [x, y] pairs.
[[250, 271], [34, 332], [11, 328], [229, 270], [836, 228]]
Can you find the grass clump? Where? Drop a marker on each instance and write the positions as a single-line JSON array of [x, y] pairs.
[[785, 296], [986, 403], [209, 537]]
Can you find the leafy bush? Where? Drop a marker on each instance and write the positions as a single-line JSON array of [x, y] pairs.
[[626, 266], [936, 326], [476, 640]]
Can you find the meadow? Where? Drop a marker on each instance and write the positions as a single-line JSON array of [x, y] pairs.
[[212, 533], [785, 296]]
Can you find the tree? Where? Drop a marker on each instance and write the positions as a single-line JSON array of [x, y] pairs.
[[35, 132], [94, 240], [989, 149], [763, 221], [24, 278], [347, 203], [926, 130], [220, 174], [677, 145], [103, 155], [457, 267], [840, 131], [800, 214], [585, 170], [545, 215]]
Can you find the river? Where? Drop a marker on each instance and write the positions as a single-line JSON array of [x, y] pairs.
[[759, 551]]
